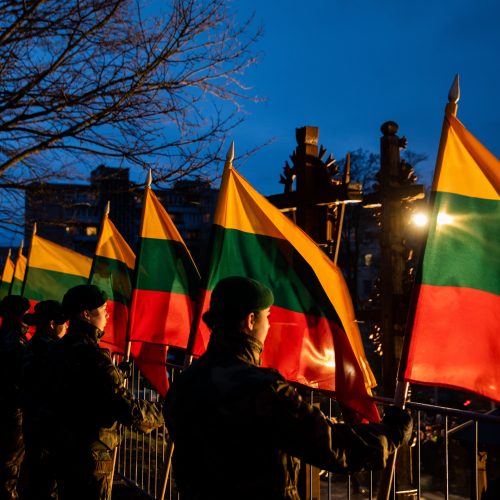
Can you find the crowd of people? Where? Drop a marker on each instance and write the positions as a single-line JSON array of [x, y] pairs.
[[239, 430]]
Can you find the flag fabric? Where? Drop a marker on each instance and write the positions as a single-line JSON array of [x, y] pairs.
[[455, 337], [52, 270], [112, 269], [165, 283], [7, 275], [166, 280], [313, 339], [16, 286]]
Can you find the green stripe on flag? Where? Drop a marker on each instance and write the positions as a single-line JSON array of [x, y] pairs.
[[165, 266], [275, 263], [462, 247], [42, 284], [4, 289], [114, 277]]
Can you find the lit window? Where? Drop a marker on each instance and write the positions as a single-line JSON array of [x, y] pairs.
[[91, 231], [368, 259]]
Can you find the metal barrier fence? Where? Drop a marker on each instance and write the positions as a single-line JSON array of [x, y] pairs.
[[445, 460]]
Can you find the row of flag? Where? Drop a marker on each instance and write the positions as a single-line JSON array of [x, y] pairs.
[[157, 297]]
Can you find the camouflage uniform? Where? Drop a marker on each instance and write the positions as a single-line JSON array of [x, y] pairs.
[[89, 402], [12, 346], [239, 430]]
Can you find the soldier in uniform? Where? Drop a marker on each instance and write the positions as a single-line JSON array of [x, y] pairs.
[[90, 401], [239, 430], [12, 346], [38, 475]]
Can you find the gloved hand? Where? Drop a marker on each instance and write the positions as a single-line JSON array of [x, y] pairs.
[[126, 368], [399, 423]]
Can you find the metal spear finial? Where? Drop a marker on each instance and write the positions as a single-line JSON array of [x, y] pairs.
[[230, 155], [454, 93]]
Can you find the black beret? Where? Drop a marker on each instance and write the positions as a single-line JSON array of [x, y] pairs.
[[237, 296], [13, 306], [46, 311], [83, 297]]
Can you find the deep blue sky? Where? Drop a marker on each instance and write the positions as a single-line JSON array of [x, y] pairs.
[[347, 66]]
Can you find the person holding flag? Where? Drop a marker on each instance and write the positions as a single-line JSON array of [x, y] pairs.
[[239, 430], [89, 401]]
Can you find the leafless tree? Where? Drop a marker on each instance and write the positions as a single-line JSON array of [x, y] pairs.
[[126, 82]]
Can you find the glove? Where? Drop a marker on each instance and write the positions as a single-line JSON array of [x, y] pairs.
[[399, 424], [126, 368]]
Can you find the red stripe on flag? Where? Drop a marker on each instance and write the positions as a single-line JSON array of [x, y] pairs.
[[116, 328], [161, 317], [150, 359], [455, 340]]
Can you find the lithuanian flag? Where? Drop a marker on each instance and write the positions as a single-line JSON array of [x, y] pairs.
[[7, 275], [52, 270], [313, 339], [16, 286], [166, 280], [112, 270], [455, 339]]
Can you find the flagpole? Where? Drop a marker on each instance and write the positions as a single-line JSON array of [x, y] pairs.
[[402, 387], [25, 278], [99, 236], [347, 171], [147, 187]]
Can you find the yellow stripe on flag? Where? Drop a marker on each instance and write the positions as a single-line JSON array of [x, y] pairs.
[[112, 245], [8, 271], [53, 257], [157, 223], [468, 168]]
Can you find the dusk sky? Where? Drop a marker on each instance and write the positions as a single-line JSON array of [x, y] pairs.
[[347, 66]]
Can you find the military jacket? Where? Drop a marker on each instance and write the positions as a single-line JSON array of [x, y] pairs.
[[88, 397], [239, 430]]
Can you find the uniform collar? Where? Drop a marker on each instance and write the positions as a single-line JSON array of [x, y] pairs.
[[82, 328], [236, 344]]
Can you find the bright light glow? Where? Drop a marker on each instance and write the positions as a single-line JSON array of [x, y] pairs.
[[420, 219], [444, 218]]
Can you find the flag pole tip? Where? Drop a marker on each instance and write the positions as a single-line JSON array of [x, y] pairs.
[[454, 93], [108, 208], [34, 228], [149, 178], [230, 153]]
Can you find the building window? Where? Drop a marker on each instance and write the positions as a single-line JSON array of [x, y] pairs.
[[91, 231], [368, 259]]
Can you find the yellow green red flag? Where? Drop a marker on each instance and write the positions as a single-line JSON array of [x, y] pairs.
[[53, 269], [314, 338], [455, 337], [165, 283], [112, 269]]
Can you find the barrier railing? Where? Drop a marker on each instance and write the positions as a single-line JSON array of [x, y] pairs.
[[445, 460]]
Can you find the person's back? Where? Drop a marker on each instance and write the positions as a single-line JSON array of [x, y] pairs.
[[218, 413], [239, 429]]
